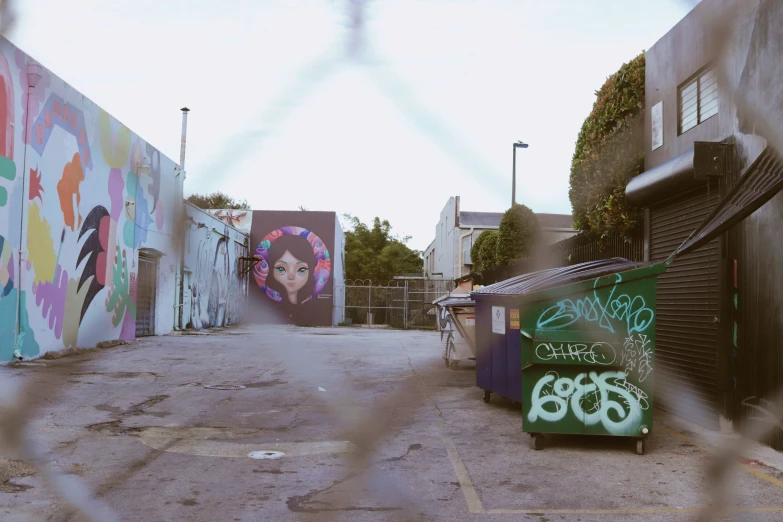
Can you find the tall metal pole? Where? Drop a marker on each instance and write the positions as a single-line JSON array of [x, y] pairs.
[[514, 172], [514, 177]]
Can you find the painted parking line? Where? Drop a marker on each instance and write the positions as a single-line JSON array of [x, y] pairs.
[[476, 506], [463, 477], [641, 511], [750, 469], [206, 442]]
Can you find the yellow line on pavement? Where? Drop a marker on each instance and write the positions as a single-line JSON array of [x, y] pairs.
[[763, 476], [468, 489], [475, 505], [640, 511], [750, 469], [676, 434]]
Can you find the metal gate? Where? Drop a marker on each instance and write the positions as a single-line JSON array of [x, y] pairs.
[[145, 295], [688, 308], [401, 303]]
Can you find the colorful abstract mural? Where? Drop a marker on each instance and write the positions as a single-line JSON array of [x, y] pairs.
[[79, 214]]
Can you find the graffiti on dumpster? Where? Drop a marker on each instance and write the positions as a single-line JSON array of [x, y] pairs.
[[609, 400], [637, 356], [603, 306], [595, 353]]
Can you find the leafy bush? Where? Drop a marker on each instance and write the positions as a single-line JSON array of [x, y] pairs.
[[475, 251], [373, 252], [217, 200], [517, 234], [489, 250], [609, 152]]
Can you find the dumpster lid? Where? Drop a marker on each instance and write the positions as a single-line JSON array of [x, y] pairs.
[[758, 184], [553, 277], [459, 302]]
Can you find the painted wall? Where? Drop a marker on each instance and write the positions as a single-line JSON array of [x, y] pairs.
[[296, 289], [443, 251], [214, 294], [73, 215]]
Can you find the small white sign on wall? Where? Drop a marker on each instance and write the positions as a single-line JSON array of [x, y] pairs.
[[499, 320], [656, 117]]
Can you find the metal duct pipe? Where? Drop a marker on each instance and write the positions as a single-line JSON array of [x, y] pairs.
[[658, 183], [185, 112]]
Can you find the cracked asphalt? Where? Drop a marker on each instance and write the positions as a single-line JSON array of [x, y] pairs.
[[372, 426]]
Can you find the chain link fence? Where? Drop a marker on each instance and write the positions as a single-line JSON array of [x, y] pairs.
[[400, 303]]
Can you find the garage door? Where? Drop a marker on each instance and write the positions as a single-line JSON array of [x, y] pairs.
[[688, 308]]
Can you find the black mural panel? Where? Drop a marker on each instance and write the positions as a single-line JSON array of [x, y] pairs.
[[96, 227], [293, 280]]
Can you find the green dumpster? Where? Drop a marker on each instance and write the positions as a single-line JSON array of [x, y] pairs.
[[588, 356]]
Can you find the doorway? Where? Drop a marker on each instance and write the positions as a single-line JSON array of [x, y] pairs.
[[147, 283]]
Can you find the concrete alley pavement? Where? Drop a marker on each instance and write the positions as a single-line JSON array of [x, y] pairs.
[[370, 425]]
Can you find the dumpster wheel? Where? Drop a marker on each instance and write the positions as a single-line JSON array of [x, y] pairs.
[[537, 441], [451, 351], [447, 349], [641, 446], [486, 395]]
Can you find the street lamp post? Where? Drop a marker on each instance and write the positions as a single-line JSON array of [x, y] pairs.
[[521, 145]]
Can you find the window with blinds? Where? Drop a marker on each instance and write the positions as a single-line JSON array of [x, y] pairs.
[[698, 99]]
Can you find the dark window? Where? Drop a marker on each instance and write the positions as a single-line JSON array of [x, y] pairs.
[[698, 99]]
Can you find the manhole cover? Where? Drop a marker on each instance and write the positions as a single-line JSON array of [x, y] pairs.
[[224, 387], [266, 455]]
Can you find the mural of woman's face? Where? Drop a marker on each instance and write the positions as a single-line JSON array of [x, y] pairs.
[[292, 273]]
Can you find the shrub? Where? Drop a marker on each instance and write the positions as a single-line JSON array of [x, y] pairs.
[[475, 252], [517, 234], [609, 152], [489, 250]]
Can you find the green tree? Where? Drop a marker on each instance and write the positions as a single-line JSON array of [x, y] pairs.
[[217, 200], [475, 252], [374, 253], [609, 152], [518, 232], [489, 250]]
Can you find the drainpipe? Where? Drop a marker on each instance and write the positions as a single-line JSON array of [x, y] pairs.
[[180, 287], [461, 258], [33, 75]]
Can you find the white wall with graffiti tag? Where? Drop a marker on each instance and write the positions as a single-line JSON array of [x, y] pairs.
[[215, 292]]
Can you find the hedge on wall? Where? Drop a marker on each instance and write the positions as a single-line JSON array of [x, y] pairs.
[[609, 152], [517, 234]]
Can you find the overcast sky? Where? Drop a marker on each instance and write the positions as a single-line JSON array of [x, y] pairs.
[[281, 117]]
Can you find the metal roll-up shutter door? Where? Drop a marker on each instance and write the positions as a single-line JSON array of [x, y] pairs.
[[145, 295], [686, 333]]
